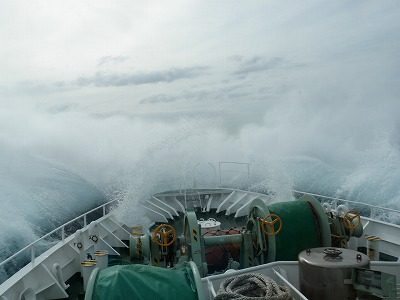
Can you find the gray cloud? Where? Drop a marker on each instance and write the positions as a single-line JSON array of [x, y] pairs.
[[169, 116], [225, 94], [100, 79], [235, 58], [61, 108], [184, 95], [109, 59], [34, 87], [255, 64], [126, 79], [158, 99]]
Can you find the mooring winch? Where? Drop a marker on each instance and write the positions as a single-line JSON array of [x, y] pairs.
[[277, 232]]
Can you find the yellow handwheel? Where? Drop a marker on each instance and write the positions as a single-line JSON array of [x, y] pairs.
[[350, 219], [275, 218], [164, 230]]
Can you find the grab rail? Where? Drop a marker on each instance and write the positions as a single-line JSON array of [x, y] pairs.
[[245, 171], [373, 209], [61, 228]]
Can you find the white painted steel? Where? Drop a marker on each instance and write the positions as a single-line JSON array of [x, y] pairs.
[[65, 258]]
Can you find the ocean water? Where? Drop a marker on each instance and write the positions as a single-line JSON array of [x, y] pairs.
[[47, 178], [36, 197], [306, 94]]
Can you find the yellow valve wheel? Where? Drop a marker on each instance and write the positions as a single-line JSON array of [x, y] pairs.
[[275, 218], [349, 217], [164, 231]]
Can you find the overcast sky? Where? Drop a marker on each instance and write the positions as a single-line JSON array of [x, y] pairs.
[[305, 75], [165, 58], [101, 86]]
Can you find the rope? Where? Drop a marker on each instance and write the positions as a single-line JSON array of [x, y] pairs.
[[252, 287]]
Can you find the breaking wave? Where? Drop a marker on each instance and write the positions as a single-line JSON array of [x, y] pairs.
[[47, 178]]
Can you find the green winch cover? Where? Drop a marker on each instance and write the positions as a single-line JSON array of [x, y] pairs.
[[299, 229], [143, 282]]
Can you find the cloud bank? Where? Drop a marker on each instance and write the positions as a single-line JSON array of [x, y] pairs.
[[173, 74]]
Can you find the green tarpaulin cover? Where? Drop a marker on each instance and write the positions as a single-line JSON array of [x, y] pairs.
[[142, 282]]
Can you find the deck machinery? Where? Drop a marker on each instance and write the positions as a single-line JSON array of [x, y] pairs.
[[271, 233], [278, 232]]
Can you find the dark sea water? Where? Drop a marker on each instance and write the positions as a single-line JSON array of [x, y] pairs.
[[45, 182]]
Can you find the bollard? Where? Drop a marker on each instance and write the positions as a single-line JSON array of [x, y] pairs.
[[102, 259], [137, 230], [87, 268], [373, 246]]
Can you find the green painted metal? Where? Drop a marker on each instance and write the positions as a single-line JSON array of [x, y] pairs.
[[246, 250], [156, 255], [304, 226], [144, 282], [197, 280], [322, 219], [91, 284], [194, 240], [264, 247]]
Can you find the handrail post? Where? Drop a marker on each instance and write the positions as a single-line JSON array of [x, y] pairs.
[[33, 254], [62, 233], [373, 213], [84, 220], [241, 172], [248, 177], [31, 246], [220, 176], [335, 204], [104, 210]]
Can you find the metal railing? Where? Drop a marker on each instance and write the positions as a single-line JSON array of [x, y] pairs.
[[236, 170], [60, 230], [365, 209], [241, 171]]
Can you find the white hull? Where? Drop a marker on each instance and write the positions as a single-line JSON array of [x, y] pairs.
[[45, 276]]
